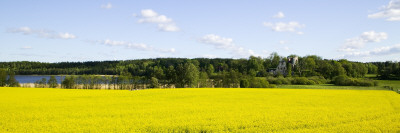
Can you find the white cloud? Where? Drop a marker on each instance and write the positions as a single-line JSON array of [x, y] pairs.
[[107, 6], [391, 12], [43, 33], [168, 27], [171, 50], [300, 33], [148, 13], [279, 15], [226, 44], [359, 42], [286, 48], [386, 50], [209, 56], [163, 22], [217, 41], [137, 46], [282, 42], [26, 47], [285, 27], [66, 36], [23, 30], [372, 36]]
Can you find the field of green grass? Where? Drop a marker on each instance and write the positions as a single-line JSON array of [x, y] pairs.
[[198, 110], [393, 83], [331, 86]]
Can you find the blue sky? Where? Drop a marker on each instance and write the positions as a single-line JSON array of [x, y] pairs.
[[96, 30]]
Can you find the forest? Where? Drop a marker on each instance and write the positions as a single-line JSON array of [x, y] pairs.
[[254, 72]]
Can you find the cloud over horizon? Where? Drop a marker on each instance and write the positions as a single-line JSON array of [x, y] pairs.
[[391, 12], [136, 46], [42, 33], [359, 42], [107, 6], [285, 27], [381, 51], [279, 15], [226, 44], [163, 22]]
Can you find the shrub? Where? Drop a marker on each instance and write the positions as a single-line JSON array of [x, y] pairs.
[[297, 80], [318, 79], [346, 81], [272, 86], [340, 80], [154, 83], [310, 82], [300, 81], [279, 81], [285, 81], [259, 83], [244, 83]]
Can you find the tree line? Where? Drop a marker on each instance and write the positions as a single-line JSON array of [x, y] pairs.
[[199, 72], [388, 70]]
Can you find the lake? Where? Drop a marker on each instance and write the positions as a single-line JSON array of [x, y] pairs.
[[34, 78]]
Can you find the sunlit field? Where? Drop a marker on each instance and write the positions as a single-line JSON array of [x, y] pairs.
[[198, 110]]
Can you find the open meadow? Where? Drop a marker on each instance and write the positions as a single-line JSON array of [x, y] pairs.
[[198, 110]]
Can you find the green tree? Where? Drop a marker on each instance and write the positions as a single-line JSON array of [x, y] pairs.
[[203, 80], [69, 82], [325, 69], [43, 82], [12, 82], [244, 83], [255, 63], [275, 58], [210, 69], [154, 83], [3, 77], [107, 81], [289, 70], [180, 76], [191, 75], [171, 75], [158, 72], [52, 82], [310, 64], [372, 69], [338, 69], [232, 78], [258, 83]]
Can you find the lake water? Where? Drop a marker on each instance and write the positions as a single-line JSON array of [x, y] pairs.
[[34, 78]]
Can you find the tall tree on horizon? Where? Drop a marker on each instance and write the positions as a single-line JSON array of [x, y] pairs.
[[12, 82], [52, 82], [3, 77]]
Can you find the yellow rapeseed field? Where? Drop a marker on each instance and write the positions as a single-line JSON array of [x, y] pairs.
[[198, 110]]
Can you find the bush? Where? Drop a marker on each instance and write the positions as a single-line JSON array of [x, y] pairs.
[[69, 82], [259, 83], [346, 81], [272, 86], [154, 83], [310, 82], [279, 81], [300, 81], [318, 79], [244, 83], [297, 80], [376, 83]]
